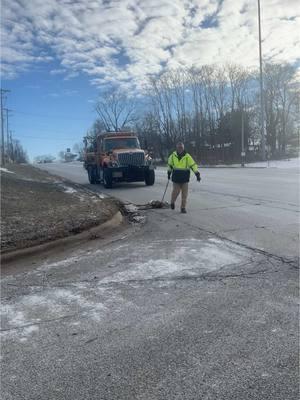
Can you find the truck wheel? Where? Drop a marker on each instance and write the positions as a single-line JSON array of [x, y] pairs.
[[92, 175], [149, 177], [107, 178]]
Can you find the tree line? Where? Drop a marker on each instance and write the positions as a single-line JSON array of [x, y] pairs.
[[212, 109], [14, 152]]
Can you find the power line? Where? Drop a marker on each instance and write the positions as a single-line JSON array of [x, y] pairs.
[[44, 138], [48, 131], [52, 116]]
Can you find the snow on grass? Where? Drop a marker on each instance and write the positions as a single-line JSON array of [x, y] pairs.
[[288, 163], [2, 169]]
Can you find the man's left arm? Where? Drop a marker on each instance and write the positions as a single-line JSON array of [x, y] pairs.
[[194, 167]]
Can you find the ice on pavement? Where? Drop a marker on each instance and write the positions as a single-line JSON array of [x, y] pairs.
[[181, 257], [134, 263], [22, 318]]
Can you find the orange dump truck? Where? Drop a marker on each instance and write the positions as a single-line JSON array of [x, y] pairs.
[[117, 157]]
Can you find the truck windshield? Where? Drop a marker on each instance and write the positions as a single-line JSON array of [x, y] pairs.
[[121, 143]]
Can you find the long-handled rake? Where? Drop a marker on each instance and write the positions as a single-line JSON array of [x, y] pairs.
[[162, 200], [156, 203]]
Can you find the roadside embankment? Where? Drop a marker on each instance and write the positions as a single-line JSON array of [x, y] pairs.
[[37, 208]]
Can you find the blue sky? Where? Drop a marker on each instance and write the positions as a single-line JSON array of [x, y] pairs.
[[50, 113], [57, 55]]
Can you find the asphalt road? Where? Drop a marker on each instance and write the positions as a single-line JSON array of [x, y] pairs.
[[166, 310], [258, 207]]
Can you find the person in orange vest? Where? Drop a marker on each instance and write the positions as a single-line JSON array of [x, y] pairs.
[[180, 163]]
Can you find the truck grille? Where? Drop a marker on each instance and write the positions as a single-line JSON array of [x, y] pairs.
[[131, 158]]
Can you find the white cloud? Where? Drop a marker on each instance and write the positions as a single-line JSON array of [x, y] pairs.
[[125, 41], [58, 71]]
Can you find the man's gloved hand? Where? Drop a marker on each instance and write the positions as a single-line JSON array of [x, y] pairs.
[[169, 174], [198, 176]]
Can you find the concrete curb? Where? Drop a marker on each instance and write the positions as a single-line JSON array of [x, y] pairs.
[[57, 244]]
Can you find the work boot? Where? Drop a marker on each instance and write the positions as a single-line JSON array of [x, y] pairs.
[[172, 206], [183, 210]]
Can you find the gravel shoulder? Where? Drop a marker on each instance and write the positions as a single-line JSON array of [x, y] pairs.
[[37, 208]]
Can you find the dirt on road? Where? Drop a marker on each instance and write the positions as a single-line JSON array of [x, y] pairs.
[[37, 207]]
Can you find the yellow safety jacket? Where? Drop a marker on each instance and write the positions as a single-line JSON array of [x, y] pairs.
[[180, 166]]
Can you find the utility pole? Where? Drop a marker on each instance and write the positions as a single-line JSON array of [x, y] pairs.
[[11, 146], [262, 114], [7, 131], [2, 91], [243, 154]]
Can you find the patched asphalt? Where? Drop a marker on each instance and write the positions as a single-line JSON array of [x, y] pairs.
[[169, 312]]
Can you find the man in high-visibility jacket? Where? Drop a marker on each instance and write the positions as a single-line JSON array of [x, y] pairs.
[[179, 165]]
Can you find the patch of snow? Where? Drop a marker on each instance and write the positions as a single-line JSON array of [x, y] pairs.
[[2, 169], [68, 189], [214, 240], [62, 263], [289, 163], [139, 218], [131, 208]]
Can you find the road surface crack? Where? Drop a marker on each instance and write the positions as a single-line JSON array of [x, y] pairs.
[[294, 263], [45, 321]]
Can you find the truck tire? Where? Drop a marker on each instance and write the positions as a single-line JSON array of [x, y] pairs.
[[150, 177], [107, 178], [92, 175]]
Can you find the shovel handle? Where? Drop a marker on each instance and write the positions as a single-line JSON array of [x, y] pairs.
[[162, 200]]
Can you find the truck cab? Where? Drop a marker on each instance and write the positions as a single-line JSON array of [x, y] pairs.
[[117, 157]]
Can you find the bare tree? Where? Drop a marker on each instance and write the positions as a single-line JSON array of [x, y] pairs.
[[208, 108], [116, 110], [17, 153], [78, 148], [281, 93]]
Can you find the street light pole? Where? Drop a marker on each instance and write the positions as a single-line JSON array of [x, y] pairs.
[[262, 114], [243, 140], [2, 132]]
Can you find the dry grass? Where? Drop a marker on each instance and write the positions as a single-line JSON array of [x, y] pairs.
[[35, 208]]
